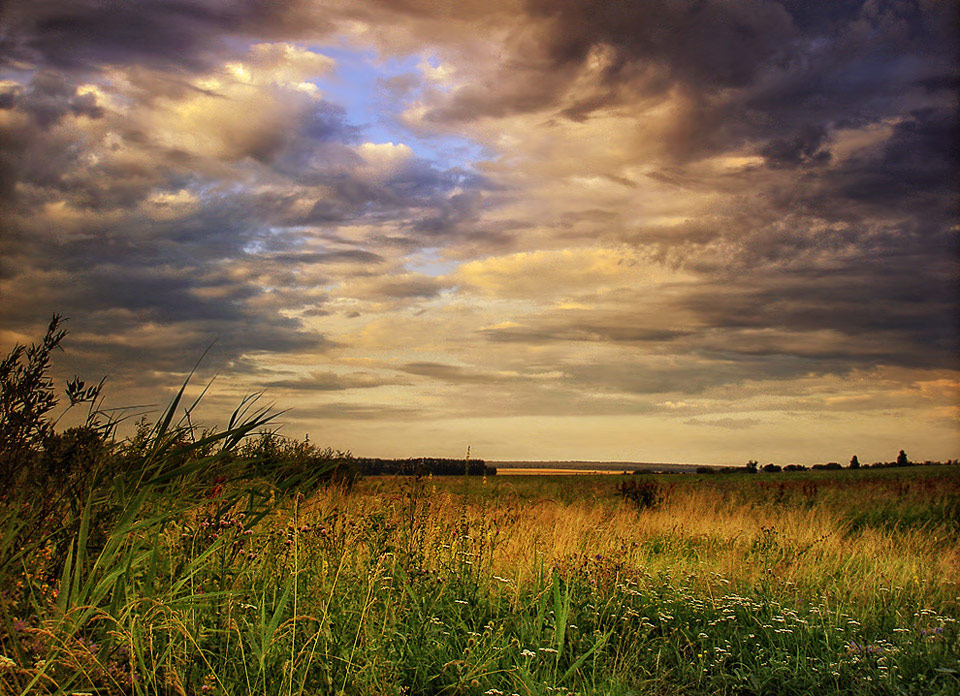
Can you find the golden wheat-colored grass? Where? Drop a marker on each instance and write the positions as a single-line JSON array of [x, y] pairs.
[[702, 534]]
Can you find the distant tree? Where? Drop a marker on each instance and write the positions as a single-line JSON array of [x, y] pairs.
[[752, 466], [902, 459], [771, 468], [854, 462]]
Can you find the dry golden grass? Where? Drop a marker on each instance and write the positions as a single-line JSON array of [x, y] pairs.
[[701, 533]]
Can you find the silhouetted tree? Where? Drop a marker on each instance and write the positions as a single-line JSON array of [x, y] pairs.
[[902, 459], [752, 466], [854, 462]]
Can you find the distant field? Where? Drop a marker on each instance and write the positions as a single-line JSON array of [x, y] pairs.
[[587, 466], [547, 471]]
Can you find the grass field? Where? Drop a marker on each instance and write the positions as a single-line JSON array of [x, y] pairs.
[[820, 582]]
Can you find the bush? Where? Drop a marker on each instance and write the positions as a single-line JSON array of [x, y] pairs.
[[30, 451], [283, 461], [643, 494]]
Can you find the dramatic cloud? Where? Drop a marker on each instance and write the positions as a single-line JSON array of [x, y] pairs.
[[553, 228]]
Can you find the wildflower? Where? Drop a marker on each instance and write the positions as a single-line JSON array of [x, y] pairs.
[[493, 692], [6, 663], [548, 650], [527, 653]]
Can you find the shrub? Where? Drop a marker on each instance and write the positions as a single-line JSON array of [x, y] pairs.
[[27, 397], [643, 494], [283, 461]]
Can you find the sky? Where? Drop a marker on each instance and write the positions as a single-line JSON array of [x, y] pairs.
[[699, 231]]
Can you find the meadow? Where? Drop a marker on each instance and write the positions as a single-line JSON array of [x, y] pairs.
[[187, 561]]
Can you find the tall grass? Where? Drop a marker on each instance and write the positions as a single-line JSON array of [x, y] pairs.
[[414, 587]]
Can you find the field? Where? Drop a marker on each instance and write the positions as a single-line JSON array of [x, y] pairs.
[[821, 582]]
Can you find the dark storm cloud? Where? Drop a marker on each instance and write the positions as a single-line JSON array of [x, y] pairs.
[[649, 47], [778, 76], [191, 34], [803, 148], [723, 44], [890, 311], [918, 165]]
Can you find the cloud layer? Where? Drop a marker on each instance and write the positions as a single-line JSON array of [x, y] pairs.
[[582, 220]]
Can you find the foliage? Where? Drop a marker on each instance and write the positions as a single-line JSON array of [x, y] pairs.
[[285, 461], [81, 525], [424, 466], [642, 494], [27, 397]]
